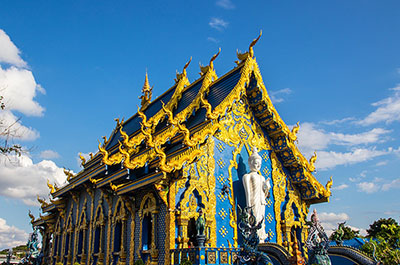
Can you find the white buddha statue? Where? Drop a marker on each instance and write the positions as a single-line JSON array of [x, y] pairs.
[[257, 190]]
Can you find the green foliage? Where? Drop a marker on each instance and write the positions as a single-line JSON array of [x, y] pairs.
[[386, 242], [185, 261], [76, 263], [375, 227], [139, 262], [20, 248], [347, 235]]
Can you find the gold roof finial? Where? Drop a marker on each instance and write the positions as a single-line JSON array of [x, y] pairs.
[[312, 160], [69, 174], [83, 159], [250, 54], [210, 66], [42, 201], [115, 187], [51, 187], [31, 216], [119, 123], [147, 92], [329, 185], [294, 131], [184, 73]]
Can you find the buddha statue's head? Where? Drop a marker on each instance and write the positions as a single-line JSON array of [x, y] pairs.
[[255, 161]]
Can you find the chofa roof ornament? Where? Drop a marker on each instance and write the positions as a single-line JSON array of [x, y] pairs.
[[250, 54], [182, 75], [210, 66]]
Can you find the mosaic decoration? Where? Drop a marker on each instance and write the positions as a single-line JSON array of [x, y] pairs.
[[223, 231], [223, 257], [221, 179], [220, 147], [222, 196], [221, 163], [234, 257], [269, 202], [211, 257], [222, 213], [269, 218]]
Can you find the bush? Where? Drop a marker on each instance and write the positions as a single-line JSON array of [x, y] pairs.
[[385, 246], [376, 226], [185, 261], [139, 262]]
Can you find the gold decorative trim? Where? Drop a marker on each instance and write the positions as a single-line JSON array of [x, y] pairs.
[[148, 205], [290, 136], [108, 199], [279, 186]]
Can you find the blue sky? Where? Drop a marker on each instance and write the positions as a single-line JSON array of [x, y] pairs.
[[68, 68]]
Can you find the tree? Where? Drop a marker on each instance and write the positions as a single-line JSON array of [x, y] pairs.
[[375, 227], [386, 242], [6, 134], [345, 233]]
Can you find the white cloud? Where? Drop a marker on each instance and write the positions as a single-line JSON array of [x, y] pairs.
[[362, 175], [49, 154], [18, 87], [22, 179], [373, 136], [381, 163], [276, 96], [218, 23], [392, 212], [339, 121], [226, 4], [10, 126], [363, 232], [9, 53], [394, 184], [11, 236], [213, 39], [388, 109], [368, 187], [340, 187], [376, 179], [311, 138], [330, 221], [328, 160]]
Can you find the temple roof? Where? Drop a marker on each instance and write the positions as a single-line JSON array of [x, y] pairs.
[[154, 141]]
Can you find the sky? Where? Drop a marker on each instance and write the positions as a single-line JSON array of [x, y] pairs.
[[68, 68]]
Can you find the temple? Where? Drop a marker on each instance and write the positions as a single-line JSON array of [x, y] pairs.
[[140, 195]]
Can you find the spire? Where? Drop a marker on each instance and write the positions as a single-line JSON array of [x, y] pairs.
[[146, 93], [146, 86]]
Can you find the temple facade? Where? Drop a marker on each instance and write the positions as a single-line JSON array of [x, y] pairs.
[[140, 195]]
